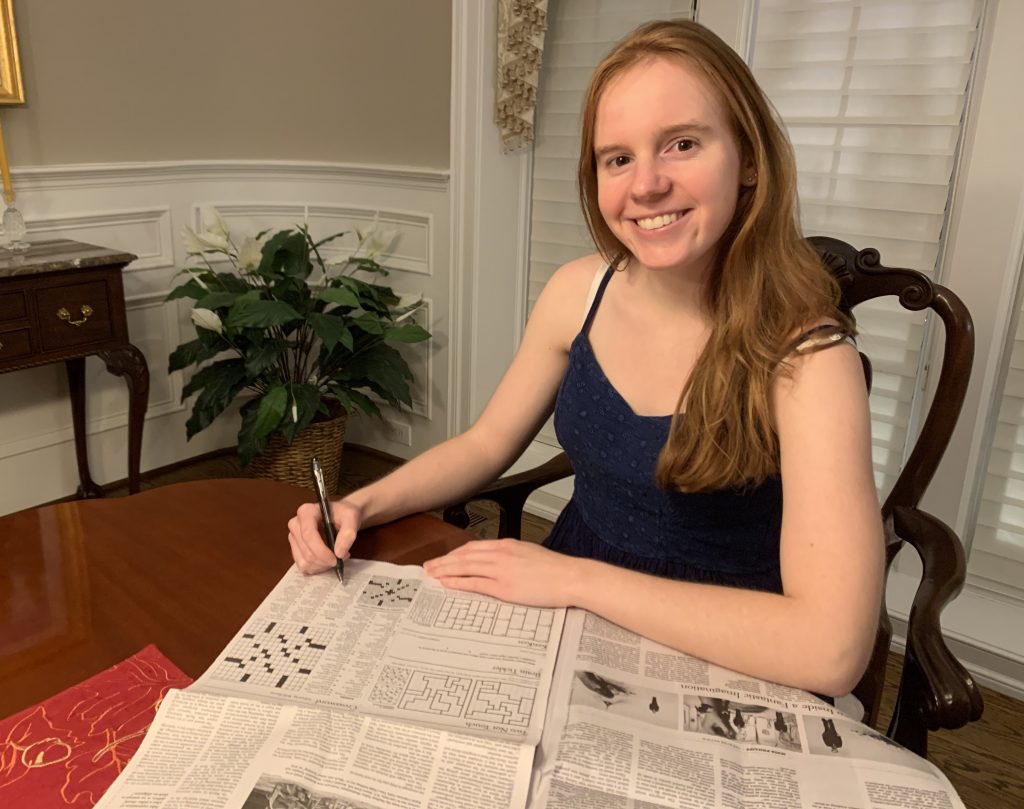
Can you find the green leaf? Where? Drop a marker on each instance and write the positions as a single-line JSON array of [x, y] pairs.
[[369, 323], [249, 443], [190, 353], [262, 355], [220, 383], [190, 289], [331, 330], [385, 372], [232, 283], [213, 300], [364, 403], [306, 399], [248, 312], [406, 333], [342, 396], [270, 411], [287, 252], [331, 238], [339, 295]]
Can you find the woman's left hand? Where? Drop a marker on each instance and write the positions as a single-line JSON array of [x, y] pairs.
[[509, 569]]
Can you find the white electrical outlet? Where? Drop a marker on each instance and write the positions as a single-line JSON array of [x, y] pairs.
[[398, 432]]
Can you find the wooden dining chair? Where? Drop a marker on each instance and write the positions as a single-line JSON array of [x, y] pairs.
[[935, 690]]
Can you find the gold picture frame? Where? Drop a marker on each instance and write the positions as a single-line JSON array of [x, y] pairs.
[[11, 89]]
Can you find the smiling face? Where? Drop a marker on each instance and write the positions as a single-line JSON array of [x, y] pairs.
[[668, 166]]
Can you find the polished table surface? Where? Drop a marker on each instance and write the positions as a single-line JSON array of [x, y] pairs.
[[85, 584]]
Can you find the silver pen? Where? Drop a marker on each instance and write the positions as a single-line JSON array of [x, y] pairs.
[[325, 515]]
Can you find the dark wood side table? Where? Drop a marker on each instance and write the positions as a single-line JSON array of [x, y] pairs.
[[62, 300]]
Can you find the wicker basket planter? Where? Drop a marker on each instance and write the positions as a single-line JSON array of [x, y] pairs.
[[291, 462]]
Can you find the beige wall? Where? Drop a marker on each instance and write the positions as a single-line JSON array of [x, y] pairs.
[[353, 81]]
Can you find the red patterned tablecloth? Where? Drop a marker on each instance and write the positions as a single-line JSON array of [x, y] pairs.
[[66, 751]]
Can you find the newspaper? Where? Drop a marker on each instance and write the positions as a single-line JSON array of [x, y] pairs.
[[387, 692], [634, 724], [393, 692]]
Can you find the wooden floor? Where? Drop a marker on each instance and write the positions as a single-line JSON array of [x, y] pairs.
[[984, 761]]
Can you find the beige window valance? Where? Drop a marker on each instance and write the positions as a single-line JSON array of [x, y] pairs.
[[521, 28]]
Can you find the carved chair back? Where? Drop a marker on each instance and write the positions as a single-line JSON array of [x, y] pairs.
[[862, 277]]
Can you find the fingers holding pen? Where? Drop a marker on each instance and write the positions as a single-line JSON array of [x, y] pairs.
[[309, 551]]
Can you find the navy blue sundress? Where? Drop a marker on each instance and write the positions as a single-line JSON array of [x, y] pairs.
[[618, 513]]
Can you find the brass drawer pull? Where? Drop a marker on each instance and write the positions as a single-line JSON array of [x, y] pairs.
[[64, 314]]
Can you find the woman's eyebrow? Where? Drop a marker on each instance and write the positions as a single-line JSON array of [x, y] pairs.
[[669, 131]]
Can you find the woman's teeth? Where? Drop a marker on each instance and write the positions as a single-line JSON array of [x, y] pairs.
[[656, 222]]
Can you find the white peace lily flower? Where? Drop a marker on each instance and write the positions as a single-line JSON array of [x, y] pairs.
[[207, 319], [376, 241], [214, 223], [295, 412], [250, 254], [193, 246], [212, 241]]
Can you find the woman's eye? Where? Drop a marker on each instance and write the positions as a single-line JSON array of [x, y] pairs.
[[684, 145], [619, 161]]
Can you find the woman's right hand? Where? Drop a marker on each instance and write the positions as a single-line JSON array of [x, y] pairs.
[[309, 550]]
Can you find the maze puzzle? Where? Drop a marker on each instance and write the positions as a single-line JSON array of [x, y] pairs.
[[479, 700], [277, 654], [494, 618], [389, 593], [436, 694]]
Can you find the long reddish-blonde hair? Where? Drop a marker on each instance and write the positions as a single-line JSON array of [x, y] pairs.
[[766, 284]]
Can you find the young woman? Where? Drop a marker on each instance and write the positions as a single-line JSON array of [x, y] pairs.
[[703, 383]]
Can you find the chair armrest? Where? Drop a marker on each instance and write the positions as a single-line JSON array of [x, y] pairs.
[[936, 691], [510, 494]]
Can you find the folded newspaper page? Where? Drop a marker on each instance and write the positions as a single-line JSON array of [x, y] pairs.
[[387, 692], [633, 724]]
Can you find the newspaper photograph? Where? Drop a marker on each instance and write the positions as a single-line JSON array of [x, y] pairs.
[[633, 723]]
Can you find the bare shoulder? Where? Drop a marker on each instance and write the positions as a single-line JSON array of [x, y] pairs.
[[558, 312], [827, 367], [574, 279]]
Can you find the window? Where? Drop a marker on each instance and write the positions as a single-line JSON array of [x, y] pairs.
[[872, 94]]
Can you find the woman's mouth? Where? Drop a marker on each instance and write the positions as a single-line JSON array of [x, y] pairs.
[[660, 221]]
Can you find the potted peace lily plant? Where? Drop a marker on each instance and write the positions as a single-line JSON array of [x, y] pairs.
[[305, 341]]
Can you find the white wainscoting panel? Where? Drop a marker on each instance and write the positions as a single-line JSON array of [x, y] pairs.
[[142, 208]]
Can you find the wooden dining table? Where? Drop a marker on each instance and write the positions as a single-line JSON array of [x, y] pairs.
[[86, 584]]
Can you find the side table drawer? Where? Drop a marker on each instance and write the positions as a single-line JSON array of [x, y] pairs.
[[72, 315], [12, 306], [14, 344]]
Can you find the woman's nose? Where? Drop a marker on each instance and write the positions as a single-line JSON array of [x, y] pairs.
[[650, 179]]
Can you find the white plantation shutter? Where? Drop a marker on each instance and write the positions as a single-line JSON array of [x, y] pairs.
[[872, 93], [580, 34], [997, 550]]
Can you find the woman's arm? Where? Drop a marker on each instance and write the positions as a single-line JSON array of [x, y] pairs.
[[818, 634], [461, 465]]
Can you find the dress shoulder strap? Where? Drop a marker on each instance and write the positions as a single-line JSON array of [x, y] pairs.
[[822, 336], [594, 298]]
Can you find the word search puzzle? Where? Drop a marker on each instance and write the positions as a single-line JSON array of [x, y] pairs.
[[276, 654]]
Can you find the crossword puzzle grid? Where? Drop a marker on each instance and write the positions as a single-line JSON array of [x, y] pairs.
[[273, 653], [493, 618], [384, 591]]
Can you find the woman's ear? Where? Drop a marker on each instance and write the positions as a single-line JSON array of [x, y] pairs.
[[748, 174]]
